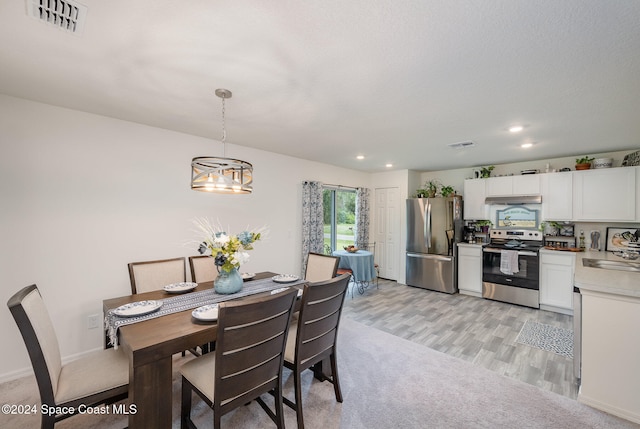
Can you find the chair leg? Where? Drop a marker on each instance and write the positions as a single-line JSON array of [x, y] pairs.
[[298, 389], [48, 421], [185, 410], [334, 376]]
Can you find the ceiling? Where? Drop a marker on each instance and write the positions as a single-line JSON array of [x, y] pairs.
[[395, 81]]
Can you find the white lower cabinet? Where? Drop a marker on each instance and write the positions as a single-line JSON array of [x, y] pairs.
[[556, 281], [470, 269]]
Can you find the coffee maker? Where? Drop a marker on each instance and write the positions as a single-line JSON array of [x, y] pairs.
[[469, 235]]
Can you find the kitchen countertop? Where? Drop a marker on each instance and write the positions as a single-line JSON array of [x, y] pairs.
[[465, 244], [615, 282]]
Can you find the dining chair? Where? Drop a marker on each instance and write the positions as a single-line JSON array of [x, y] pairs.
[[148, 276], [321, 267], [203, 268], [154, 275], [102, 377], [248, 360], [313, 339]]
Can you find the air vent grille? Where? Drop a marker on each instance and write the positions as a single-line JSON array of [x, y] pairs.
[[461, 145], [64, 14]]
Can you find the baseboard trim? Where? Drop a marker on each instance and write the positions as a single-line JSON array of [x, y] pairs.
[[611, 409], [28, 371]]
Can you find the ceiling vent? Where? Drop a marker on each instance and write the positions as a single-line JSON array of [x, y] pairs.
[[461, 145], [64, 14]]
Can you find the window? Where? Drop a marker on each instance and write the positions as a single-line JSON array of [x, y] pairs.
[[339, 218]]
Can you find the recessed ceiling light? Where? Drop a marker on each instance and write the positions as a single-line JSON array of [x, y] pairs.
[[360, 157], [526, 145], [516, 128], [389, 165]]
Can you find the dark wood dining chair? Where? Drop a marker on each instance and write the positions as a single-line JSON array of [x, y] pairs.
[[248, 360], [154, 275], [101, 377], [203, 268], [313, 339], [321, 267]]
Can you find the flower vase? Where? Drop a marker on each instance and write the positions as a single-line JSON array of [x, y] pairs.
[[228, 282]]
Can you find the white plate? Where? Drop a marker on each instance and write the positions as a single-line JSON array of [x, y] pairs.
[[180, 287], [247, 276], [207, 313], [139, 308], [283, 289], [284, 278]]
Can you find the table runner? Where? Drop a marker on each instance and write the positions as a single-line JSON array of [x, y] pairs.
[[189, 301]]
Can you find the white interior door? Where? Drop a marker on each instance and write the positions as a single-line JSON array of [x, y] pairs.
[[387, 231]]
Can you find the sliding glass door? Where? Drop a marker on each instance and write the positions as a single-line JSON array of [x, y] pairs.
[[339, 218]]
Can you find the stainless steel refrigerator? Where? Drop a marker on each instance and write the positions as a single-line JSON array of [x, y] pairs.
[[434, 226]]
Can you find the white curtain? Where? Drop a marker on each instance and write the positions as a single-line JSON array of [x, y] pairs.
[[362, 215], [312, 220]]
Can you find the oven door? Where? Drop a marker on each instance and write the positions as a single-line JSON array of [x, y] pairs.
[[527, 277]]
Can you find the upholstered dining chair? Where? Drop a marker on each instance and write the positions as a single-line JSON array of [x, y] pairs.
[[314, 337], [203, 268], [248, 360], [102, 377], [321, 267], [153, 275], [148, 276]]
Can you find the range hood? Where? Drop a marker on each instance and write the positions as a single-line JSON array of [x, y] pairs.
[[514, 200]]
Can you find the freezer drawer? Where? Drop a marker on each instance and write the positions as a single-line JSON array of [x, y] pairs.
[[433, 272]]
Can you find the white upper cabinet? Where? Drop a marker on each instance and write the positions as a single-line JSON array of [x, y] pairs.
[[474, 196], [607, 194], [527, 184], [557, 196]]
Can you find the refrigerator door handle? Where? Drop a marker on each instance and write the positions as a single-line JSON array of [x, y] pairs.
[[430, 256], [427, 226]]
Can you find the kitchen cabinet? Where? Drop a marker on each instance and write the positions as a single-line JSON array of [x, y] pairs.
[[474, 196], [557, 196], [556, 281], [470, 269], [607, 194], [527, 184]]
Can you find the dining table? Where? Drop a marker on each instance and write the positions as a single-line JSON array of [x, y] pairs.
[[150, 345], [360, 263]]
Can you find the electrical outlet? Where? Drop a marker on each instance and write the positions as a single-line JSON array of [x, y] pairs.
[[93, 321]]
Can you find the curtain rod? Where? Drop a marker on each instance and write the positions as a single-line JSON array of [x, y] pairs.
[[340, 186]]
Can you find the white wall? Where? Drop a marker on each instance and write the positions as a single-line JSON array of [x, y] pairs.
[[83, 195]]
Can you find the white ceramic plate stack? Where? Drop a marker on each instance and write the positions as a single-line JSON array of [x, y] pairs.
[[247, 276], [181, 287], [285, 278], [139, 308], [206, 313]]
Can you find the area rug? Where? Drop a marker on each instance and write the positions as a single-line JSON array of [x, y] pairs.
[[547, 337]]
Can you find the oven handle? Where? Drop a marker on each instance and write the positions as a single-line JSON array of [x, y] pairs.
[[520, 252]]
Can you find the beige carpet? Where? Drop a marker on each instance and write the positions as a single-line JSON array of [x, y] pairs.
[[387, 382]]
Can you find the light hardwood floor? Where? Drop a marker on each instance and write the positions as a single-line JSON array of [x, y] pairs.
[[477, 330]]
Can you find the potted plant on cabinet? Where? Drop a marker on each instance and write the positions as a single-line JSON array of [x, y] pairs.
[[431, 187], [486, 171], [447, 191], [584, 163], [484, 225]]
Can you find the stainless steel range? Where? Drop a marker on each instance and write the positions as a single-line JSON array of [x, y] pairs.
[[510, 267]]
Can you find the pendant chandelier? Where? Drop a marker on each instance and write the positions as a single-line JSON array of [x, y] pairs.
[[221, 175]]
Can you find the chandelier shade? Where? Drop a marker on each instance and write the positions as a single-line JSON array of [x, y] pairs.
[[220, 174]]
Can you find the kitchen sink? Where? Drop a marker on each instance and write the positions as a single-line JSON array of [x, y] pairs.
[[612, 265]]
